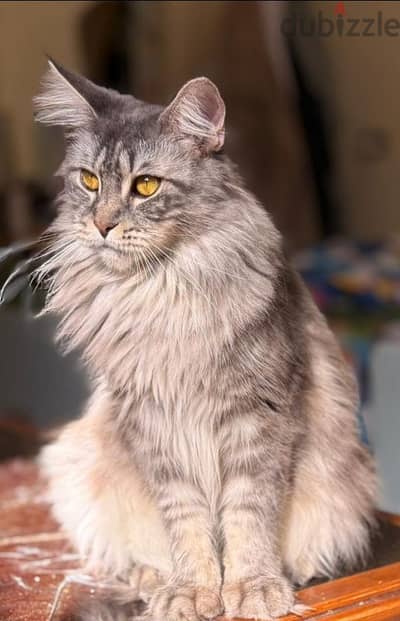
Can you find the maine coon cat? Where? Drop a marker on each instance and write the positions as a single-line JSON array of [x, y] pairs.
[[218, 461]]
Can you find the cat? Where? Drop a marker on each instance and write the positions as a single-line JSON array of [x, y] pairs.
[[217, 464]]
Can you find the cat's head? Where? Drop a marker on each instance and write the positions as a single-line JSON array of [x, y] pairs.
[[139, 179]]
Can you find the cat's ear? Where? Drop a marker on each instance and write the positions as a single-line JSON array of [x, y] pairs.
[[67, 98], [198, 110]]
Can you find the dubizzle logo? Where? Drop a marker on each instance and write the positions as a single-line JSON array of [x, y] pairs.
[[341, 24]]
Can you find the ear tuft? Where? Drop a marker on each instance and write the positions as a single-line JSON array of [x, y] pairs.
[[60, 102], [198, 110]]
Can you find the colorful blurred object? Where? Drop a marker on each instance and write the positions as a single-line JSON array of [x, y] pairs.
[[347, 277], [357, 286]]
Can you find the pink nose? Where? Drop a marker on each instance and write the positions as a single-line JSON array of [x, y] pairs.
[[104, 227]]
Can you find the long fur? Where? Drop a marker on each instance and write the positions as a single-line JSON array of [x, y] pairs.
[[222, 428]]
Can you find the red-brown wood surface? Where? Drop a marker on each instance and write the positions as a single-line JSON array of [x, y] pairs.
[[35, 557], [41, 579], [372, 594]]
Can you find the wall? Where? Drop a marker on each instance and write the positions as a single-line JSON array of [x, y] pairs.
[[359, 81], [49, 28]]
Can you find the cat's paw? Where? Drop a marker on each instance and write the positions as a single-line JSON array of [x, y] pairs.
[[185, 603], [145, 581], [258, 598]]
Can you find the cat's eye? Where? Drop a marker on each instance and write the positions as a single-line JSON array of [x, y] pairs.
[[89, 180], [146, 185]]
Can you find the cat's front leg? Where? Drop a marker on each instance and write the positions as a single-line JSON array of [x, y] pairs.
[[251, 508], [193, 590], [254, 585]]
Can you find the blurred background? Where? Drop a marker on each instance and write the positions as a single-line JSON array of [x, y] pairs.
[[313, 98]]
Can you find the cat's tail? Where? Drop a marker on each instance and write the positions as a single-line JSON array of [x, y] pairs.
[[102, 610], [115, 601]]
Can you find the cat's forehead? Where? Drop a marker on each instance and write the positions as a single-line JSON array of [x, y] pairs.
[[128, 133], [123, 143]]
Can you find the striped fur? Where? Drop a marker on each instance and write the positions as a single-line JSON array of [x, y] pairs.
[[220, 447]]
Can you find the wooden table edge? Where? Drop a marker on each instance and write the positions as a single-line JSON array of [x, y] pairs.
[[366, 595]]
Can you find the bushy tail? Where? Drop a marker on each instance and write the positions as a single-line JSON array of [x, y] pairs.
[[107, 610], [103, 601]]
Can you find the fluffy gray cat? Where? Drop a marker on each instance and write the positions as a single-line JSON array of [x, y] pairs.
[[218, 461]]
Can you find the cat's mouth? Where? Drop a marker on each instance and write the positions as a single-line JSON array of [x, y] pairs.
[[128, 251], [123, 258], [104, 246]]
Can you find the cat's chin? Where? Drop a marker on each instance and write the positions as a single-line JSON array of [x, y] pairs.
[[117, 261], [114, 260]]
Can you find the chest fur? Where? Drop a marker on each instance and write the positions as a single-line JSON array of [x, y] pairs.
[[148, 338], [182, 440]]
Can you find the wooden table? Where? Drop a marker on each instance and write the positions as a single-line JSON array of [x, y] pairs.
[[40, 575]]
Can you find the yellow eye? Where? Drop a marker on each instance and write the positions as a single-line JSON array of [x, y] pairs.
[[89, 181], [146, 185]]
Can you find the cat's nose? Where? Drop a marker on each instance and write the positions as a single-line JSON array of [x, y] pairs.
[[104, 227]]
